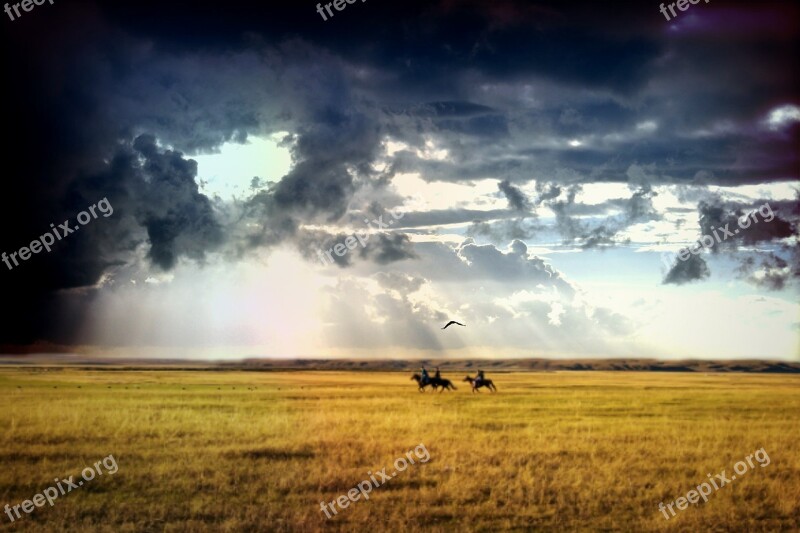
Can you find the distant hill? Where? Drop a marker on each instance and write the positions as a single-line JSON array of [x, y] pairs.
[[446, 365], [533, 365]]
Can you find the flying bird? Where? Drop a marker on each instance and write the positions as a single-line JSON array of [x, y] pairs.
[[453, 322]]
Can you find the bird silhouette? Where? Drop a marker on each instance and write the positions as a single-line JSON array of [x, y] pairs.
[[453, 322]]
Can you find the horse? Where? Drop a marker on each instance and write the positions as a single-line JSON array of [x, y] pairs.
[[418, 379], [483, 383], [445, 384]]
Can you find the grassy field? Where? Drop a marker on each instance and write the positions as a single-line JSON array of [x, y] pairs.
[[259, 451]]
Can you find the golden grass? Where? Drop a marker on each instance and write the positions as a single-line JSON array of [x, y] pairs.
[[258, 451]]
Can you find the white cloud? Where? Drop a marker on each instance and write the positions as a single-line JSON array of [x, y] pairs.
[[781, 116]]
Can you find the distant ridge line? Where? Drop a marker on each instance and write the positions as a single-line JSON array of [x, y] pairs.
[[546, 365], [407, 365]]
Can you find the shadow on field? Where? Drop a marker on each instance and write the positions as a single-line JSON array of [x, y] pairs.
[[270, 453]]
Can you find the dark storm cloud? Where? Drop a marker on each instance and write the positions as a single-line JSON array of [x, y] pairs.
[[179, 220], [751, 223], [315, 244], [748, 224], [516, 198], [441, 109], [547, 191], [770, 270], [721, 135], [597, 233], [598, 236], [503, 231], [640, 206], [92, 153], [693, 269], [380, 248], [157, 201], [388, 248], [493, 126], [156, 206], [314, 189], [502, 86]]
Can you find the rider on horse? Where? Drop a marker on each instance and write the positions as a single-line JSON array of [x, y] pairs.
[[479, 378], [425, 378], [437, 375]]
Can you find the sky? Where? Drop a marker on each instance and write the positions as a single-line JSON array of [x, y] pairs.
[[269, 183]]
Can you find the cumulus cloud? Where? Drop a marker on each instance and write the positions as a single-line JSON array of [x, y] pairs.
[[530, 305], [516, 264], [770, 270], [401, 283]]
